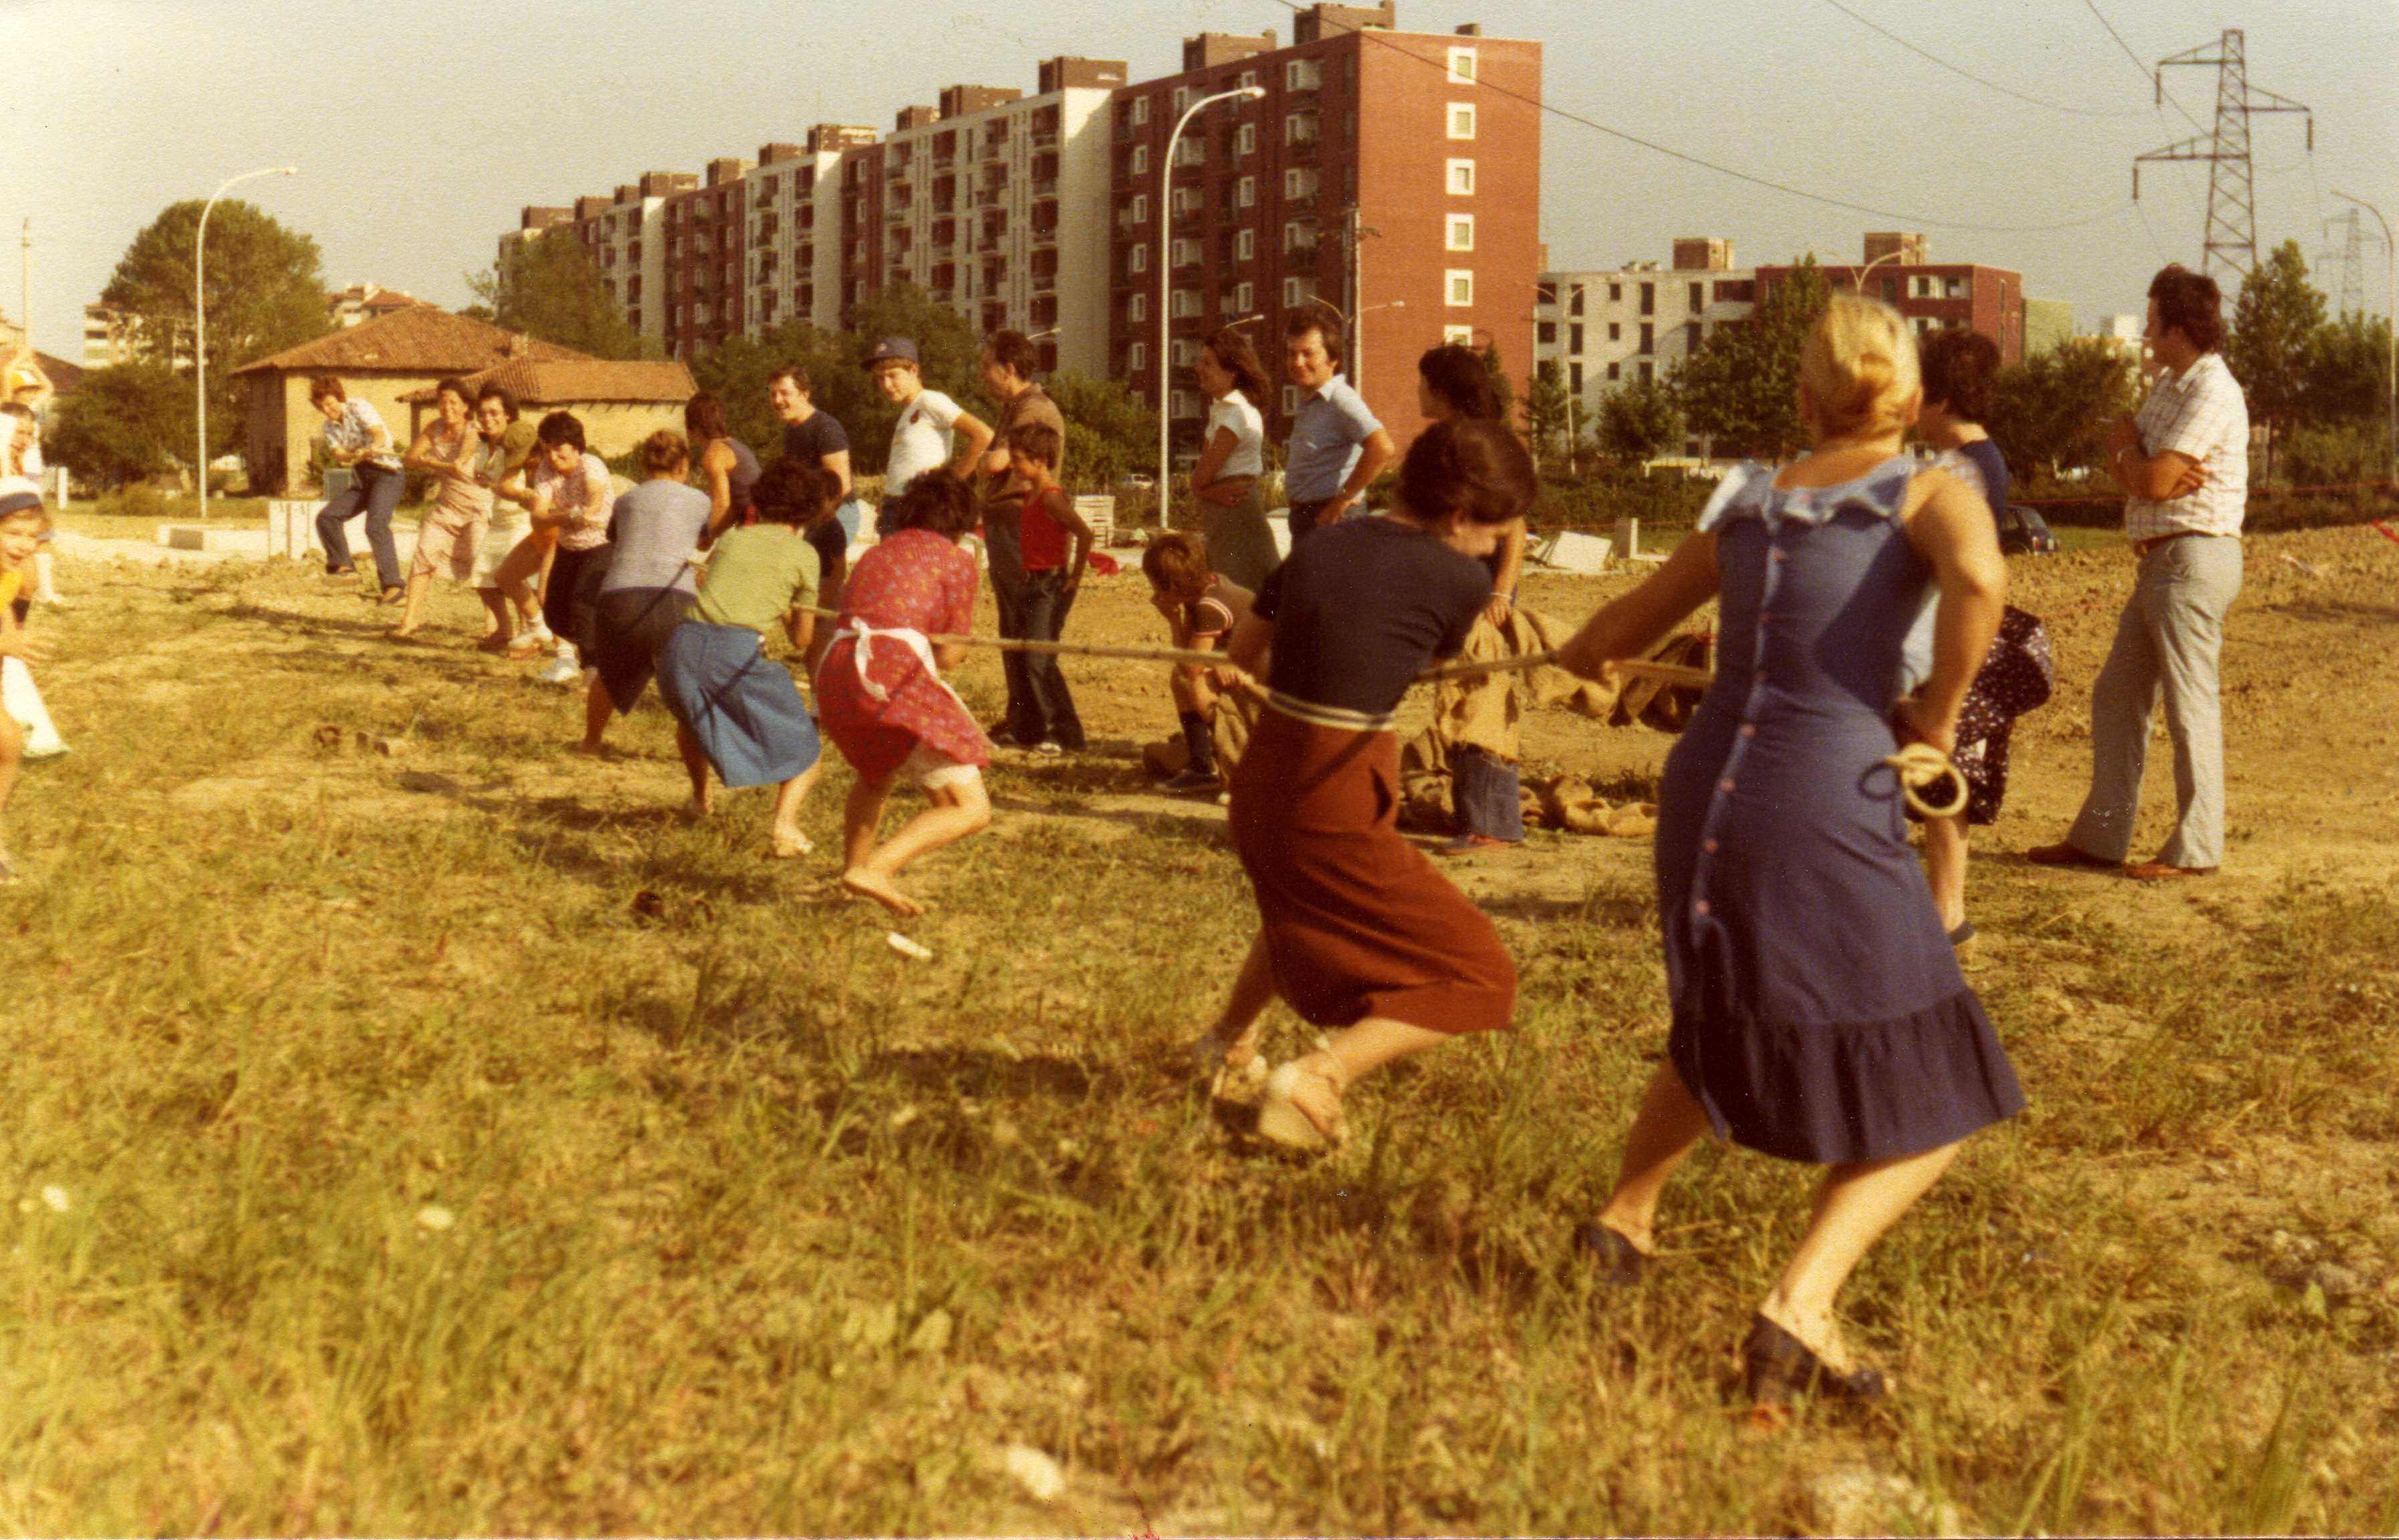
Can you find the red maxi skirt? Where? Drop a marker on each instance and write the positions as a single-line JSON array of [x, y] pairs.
[[1358, 922]]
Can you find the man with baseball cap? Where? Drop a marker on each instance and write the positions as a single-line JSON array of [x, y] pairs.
[[933, 433]]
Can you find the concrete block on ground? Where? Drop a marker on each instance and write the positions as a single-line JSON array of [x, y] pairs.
[[1576, 552], [213, 538]]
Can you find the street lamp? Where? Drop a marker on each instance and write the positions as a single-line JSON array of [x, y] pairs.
[[1166, 292], [1859, 277], [2390, 323], [201, 318], [1355, 327]]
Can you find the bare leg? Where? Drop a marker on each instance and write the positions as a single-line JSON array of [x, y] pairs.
[[417, 584], [951, 814], [1668, 1123], [1858, 1201], [695, 765], [1944, 866], [1233, 1041], [502, 630], [1317, 1080], [12, 756], [787, 839], [597, 709]]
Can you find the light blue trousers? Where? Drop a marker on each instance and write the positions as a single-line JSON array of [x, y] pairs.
[[2168, 641]]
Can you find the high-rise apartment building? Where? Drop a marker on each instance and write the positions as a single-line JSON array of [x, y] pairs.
[[794, 235], [626, 235], [1637, 323], [1394, 176], [995, 203], [707, 243]]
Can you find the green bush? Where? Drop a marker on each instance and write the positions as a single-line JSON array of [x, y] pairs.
[[1597, 500]]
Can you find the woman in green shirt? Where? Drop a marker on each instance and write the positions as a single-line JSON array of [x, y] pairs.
[[736, 710]]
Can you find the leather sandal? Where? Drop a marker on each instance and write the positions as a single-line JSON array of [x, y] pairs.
[[1777, 1368], [1283, 1121], [1610, 1256], [2067, 852]]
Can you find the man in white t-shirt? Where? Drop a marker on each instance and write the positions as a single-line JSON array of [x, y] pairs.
[[933, 433]]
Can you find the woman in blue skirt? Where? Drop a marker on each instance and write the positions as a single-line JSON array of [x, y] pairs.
[[1819, 1014], [736, 710]]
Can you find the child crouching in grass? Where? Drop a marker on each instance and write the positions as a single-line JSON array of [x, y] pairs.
[[1056, 544], [23, 522], [1202, 611], [880, 694]]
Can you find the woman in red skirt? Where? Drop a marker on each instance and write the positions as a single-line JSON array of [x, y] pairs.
[[1359, 933], [880, 693]]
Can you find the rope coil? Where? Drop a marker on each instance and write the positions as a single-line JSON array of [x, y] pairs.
[[1919, 767]]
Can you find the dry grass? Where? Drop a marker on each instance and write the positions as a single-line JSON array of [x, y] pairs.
[[757, 1225]]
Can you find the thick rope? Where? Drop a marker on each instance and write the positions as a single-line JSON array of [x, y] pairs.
[[1919, 766]]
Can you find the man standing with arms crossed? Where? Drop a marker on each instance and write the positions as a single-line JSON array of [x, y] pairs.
[[1006, 369], [1337, 447], [2183, 462]]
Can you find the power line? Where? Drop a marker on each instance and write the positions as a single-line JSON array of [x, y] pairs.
[[2147, 72], [1969, 74], [1688, 159]]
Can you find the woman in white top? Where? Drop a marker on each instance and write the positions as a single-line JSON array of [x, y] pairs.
[[1240, 547]]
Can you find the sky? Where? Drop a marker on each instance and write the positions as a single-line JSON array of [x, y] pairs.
[[421, 128]]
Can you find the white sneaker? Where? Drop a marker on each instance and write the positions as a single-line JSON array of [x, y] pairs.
[[562, 670]]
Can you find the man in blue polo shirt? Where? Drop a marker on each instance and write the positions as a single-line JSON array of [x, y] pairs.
[[1337, 447]]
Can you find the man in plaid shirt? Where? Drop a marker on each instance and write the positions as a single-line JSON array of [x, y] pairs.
[[2183, 462]]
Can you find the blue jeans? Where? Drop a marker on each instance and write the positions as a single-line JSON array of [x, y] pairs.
[[1049, 707], [375, 493], [1009, 597]]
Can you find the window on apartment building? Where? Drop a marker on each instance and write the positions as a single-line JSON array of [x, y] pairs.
[[1461, 178], [1957, 289], [1573, 338], [1245, 193], [1574, 301], [1297, 291], [1245, 298], [1920, 325], [1616, 331], [1461, 120], [1137, 260], [1462, 65], [1549, 333], [1182, 99], [1458, 287], [1301, 74], [1137, 308], [1616, 293], [1648, 373], [1298, 182], [1920, 287], [1141, 207], [1248, 82], [1616, 371], [1648, 299], [1698, 298], [1245, 246], [1186, 200], [1137, 357], [1185, 405], [1574, 378], [1186, 352], [1648, 338], [1299, 128], [1245, 140], [1692, 332], [1141, 109], [1461, 232], [1186, 252], [1186, 305], [1141, 160], [1457, 336]]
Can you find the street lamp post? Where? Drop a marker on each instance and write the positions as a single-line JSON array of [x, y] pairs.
[[1355, 326], [1859, 279], [200, 320], [1166, 292], [2390, 325]]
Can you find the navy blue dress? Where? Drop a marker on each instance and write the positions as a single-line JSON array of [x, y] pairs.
[[1819, 1014]]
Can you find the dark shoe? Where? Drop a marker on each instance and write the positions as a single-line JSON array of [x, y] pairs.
[[1187, 782], [1964, 933], [2065, 853], [2159, 871], [1778, 1368], [1612, 1258]]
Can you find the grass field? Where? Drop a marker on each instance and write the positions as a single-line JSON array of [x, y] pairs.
[[455, 1141]]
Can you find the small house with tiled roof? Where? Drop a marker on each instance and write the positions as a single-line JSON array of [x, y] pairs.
[[382, 361], [620, 402]]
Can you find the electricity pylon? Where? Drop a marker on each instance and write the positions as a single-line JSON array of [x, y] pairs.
[[2232, 239]]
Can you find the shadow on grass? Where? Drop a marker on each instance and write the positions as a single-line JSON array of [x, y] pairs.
[[2338, 612], [1206, 822], [987, 1074]]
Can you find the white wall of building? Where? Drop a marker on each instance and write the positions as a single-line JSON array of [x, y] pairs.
[[1604, 313]]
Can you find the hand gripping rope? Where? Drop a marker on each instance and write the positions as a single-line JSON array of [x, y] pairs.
[[1919, 767]]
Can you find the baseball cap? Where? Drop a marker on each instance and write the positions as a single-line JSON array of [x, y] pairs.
[[892, 347]]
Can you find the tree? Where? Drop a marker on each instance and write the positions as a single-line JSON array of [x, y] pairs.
[[1740, 387], [2274, 329], [1110, 434], [265, 289], [124, 423], [2346, 379], [1549, 413], [2051, 412], [1638, 419], [548, 286], [1503, 389]]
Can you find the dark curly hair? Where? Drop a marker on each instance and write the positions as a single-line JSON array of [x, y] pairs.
[[799, 493], [937, 502], [2191, 303], [1958, 366]]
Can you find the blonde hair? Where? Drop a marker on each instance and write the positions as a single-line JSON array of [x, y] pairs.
[[1859, 368]]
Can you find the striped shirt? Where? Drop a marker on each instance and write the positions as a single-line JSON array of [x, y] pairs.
[[2202, 414], [354, 430]]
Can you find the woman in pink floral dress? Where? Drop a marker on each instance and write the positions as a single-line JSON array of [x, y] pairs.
[[880, 694]]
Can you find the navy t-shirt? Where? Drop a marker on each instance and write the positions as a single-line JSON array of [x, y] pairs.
[[1994, 466], [1362, 607], [812, 440]]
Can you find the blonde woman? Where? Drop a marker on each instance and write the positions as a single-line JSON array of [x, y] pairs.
[[1818, 1015]]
